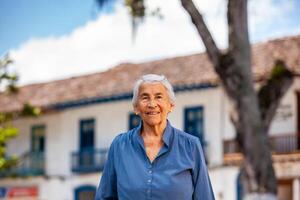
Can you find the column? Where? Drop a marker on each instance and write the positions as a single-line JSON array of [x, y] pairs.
[[296, 189]]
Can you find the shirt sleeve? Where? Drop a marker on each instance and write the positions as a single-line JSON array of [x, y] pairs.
[[107, 189], [202, 185]]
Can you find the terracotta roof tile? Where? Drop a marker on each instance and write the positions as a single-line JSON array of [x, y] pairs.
[[185, 70]]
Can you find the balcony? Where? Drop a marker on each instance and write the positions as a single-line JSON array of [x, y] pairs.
[[281, 145], [90, 160], [29, 164]]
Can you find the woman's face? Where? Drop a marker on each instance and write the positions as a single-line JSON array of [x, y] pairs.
[[153, 103]]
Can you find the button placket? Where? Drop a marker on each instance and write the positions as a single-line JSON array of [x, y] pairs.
[[149, 181]]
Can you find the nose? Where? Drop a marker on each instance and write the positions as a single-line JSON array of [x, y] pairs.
[[152, 104]]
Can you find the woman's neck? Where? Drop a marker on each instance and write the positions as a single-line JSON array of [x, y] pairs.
[[154, 131]]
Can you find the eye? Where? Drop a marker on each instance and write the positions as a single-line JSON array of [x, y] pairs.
[[144, 97], [159, 97]]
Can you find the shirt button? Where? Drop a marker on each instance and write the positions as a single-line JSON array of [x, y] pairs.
[[149, 181], [150, 171]]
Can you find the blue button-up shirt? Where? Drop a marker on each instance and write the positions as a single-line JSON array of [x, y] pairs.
[[178, 172]]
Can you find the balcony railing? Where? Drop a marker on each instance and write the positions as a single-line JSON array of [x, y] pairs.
[[29, 164], [90, 160], [280, 144]]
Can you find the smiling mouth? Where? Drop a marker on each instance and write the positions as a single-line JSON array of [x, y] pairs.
[[152, 113]]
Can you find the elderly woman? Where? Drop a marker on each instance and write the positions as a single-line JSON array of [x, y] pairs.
[[154, 160]]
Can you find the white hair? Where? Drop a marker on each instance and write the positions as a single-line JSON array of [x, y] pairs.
[[152, 78]]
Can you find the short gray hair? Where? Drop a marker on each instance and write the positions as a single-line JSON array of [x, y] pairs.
[[152, 78]]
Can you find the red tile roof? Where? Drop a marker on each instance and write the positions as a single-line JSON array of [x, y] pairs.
[[185, 70]]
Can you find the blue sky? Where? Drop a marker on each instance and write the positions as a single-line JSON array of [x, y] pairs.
[[285, 22], [21, 20], [55, 39]]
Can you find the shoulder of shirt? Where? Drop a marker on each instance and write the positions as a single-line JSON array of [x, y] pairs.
[[122, 137], [186, 136]]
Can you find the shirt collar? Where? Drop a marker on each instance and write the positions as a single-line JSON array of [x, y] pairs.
[[167, 133], [166, 136]]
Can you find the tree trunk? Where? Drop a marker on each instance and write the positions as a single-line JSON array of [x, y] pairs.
[[257, 171]]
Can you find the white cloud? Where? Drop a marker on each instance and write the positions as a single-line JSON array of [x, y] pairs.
[[106, 41]]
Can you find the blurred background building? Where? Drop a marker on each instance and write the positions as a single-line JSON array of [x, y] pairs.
[[62, 152]]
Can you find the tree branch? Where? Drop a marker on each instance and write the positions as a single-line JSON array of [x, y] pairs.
[[209, 43], [271, 93]]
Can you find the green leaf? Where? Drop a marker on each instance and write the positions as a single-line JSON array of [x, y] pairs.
[[29, 110]]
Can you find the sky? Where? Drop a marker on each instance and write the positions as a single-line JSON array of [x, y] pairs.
[[56, 39]]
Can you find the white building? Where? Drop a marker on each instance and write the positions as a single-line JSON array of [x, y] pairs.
[[63, 151]]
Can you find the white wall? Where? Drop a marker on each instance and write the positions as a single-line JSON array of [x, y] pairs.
[[110, 119], [224, 182], [210, 99], [56, 154], [285, 121], [53, 188], [62, 132]]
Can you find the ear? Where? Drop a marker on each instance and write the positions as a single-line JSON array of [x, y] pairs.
[[136, 110], [172, 105]]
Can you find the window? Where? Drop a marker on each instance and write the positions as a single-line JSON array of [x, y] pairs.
[[87, 131], [86, 145], [85, 192], [38, 138], [134, 120], [193, 122], [36, 157]]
